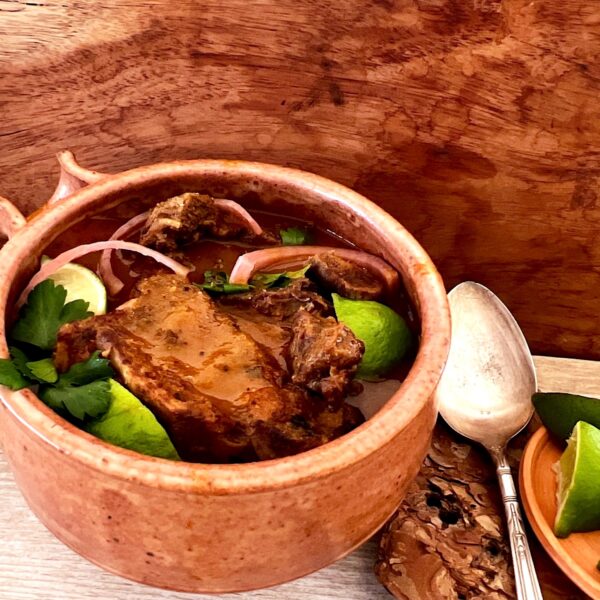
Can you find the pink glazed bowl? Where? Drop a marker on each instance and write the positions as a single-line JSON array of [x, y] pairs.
[[219, 528]]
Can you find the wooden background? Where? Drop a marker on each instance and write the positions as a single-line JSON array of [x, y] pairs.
[[475, 122]]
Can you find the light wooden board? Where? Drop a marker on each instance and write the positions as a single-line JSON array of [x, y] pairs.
[[36, 566]]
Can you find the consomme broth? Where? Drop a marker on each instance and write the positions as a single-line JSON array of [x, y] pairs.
[[216, 255]]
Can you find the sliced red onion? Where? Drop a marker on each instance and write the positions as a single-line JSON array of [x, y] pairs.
[[66, 257], [113, 284], [252, 262], [237, 210]]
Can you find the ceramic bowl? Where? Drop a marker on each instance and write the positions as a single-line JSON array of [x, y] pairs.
[[220, 528]]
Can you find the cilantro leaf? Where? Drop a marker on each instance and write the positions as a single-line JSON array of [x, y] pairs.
[[75, 311], [20, 360], [43, 370], [92, 399], [293, 236], [10, 375], [82, 390], [218, 282], [44, 313], [272, 280], [85, 372]]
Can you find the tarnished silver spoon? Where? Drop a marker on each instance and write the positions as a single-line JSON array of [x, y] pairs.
[[485, 395]]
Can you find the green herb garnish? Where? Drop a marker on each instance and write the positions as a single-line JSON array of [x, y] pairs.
[[293, 236], [87, 371], [218, 283], [20, 360], [45, 312], [10, 376], [278, 280], [84, 389], [92, 399], [43, 370]]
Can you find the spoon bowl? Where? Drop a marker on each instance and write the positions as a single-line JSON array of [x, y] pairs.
[[485, 392], [485, 395]]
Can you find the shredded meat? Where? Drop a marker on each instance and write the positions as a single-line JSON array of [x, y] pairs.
[[283, 303], [324, 355], [339, 275], [184, 219], [220, 395]]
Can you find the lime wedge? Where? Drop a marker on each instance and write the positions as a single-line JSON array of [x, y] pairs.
[[129, 424], [579, 482], [560, 412], [81, 284], [383, 331]]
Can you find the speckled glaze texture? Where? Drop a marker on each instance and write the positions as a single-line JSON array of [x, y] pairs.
[[218, 528]]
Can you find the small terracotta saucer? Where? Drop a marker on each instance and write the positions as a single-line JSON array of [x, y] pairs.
[[578, 554]]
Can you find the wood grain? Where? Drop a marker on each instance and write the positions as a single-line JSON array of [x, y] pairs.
[[577, 555], [36, 566], [477, 124]]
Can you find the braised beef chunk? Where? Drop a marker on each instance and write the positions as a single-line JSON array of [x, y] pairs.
[[324, 355], [184, 219], [283, 303], [220, 395], [272, 334], [336, 420], [336, 274]]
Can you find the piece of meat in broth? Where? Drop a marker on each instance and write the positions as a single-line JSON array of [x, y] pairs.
[[219, 394], [185, 219], [282, 303], [336, 274], [324, 355]]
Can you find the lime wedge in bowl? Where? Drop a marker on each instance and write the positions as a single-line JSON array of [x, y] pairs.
[[385, 334], [129, 424], [81, 284], [579, 482]]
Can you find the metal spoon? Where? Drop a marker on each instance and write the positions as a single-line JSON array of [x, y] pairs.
[[485, 395]]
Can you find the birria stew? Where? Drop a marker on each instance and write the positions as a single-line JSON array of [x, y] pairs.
[[210, 334]]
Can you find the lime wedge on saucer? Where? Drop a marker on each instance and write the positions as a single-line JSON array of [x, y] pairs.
[[383, 331], [81, 284], [579, 482], [129, 424], [559, 412]]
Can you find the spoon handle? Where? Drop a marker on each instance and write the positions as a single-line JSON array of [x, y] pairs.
[[528, 587]]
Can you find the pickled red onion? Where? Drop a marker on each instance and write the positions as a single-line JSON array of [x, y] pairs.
[[113, 284], [238, 210], [248, 264], [66, 257]]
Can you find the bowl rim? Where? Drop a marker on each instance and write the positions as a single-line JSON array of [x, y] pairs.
[[398, 412]]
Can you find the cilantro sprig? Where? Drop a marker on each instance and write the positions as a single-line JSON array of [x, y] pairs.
[[217, 282], [10, 376], [45, 312], [294, 236], [278, 280], [83, 391]]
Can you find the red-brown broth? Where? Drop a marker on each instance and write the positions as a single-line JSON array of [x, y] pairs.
[[207, 255]]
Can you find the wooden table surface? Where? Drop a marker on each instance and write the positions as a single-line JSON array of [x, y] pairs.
[[36, 566]]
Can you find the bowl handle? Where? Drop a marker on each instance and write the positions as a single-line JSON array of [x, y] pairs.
[[72, 177], [11, 219]]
